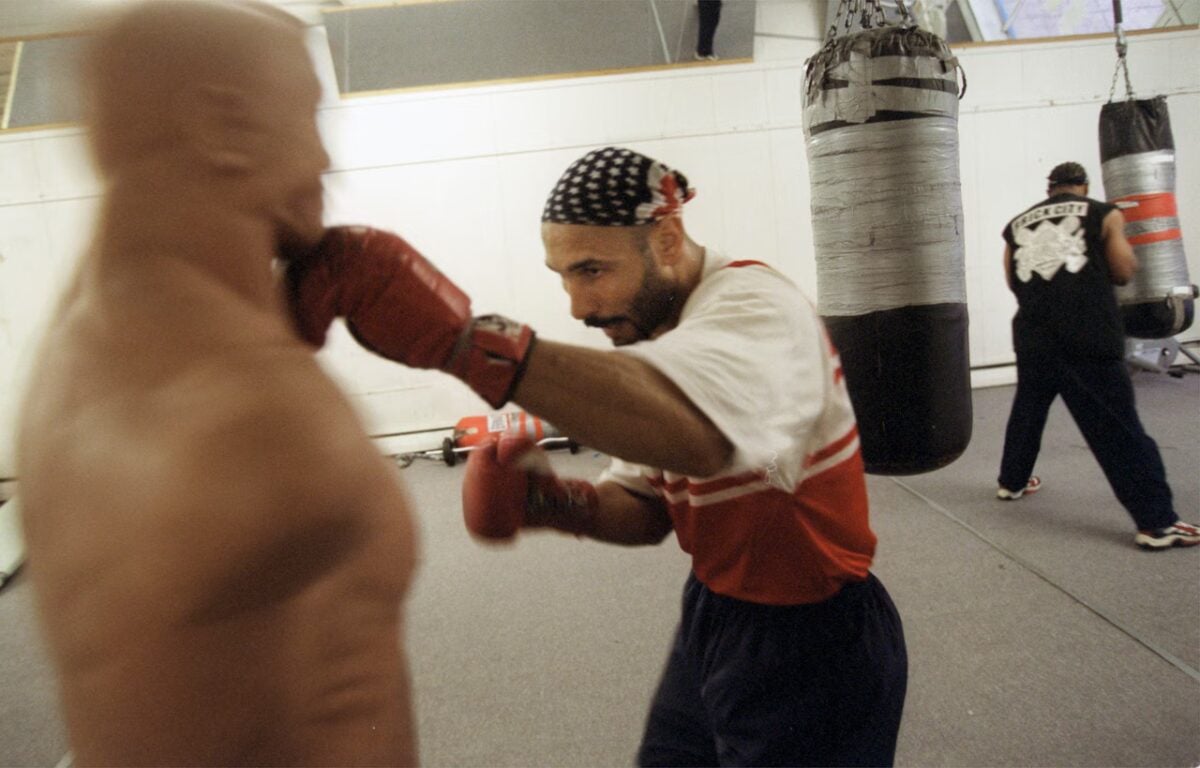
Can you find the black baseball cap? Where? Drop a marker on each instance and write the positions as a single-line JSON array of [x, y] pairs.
[[1066, 174]]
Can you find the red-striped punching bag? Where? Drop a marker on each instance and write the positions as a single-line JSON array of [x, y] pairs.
[[1137, 155]]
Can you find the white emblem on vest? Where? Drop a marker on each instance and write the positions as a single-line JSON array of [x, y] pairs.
[[1045, 248]]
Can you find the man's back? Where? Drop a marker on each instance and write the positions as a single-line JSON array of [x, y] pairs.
[[1062, 258], [1060, 274], [219, 552]]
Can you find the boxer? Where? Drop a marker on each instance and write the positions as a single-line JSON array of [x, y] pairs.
[[727, 415]]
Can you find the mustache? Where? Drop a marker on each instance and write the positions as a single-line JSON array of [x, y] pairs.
[[602, 322], [605, 322]]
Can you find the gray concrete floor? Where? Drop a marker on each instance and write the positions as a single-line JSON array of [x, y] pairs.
[[1038, 634]]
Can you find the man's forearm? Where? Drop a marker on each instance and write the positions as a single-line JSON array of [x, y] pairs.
[[620, 406], [618, 517]]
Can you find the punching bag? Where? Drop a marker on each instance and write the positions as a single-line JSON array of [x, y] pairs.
[[881, 128], [1137, 156]]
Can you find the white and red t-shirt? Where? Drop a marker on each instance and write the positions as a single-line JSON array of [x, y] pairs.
[[786, 521]]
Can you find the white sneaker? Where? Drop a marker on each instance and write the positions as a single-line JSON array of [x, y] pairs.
[[1177, 535], [1031, 487]]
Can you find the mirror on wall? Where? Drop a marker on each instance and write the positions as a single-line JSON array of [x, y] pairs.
[[438, 44], [453, 42], [40, 85]]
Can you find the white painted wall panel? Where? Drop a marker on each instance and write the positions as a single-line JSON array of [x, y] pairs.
[[64, 168], [793, 225], [1071, 72], [797, 18], [642, 109], [1180, 63], [740, 102], [768, 49], [448, 211], [748, 207], [687, 107], [371, 134], [1152, 67], [785, 87], [20, 181], [51, 165], [994, 77], [39, 246]]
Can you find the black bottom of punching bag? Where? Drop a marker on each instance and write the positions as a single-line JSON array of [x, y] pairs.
[[1156, 319], [909, 377]]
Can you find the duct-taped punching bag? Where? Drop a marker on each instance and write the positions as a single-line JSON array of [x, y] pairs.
[[881, 127], [1137, 155]]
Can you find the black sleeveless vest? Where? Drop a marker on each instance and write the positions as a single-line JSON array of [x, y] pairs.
[[1059, 273]]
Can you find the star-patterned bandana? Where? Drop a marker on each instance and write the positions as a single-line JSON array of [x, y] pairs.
[[616, 187]]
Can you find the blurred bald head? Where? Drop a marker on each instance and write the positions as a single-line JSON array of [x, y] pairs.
[[154, 66], [211, 100]]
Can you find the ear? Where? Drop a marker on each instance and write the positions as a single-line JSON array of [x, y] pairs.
[[217, 123], [666, 239]]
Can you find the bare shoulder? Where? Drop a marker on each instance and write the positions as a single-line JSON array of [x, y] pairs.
[[1113, 220]]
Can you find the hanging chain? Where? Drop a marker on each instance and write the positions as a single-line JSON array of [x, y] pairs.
[[1122, 64], [877, 12], [1122, 49], [868, 13], [842, 12]]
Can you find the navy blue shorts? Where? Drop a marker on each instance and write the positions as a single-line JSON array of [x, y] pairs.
[[750, 684]]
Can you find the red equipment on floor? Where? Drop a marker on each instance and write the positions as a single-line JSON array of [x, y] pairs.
[[471, 431]]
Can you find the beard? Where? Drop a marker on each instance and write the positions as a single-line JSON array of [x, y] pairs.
[[655, 304]]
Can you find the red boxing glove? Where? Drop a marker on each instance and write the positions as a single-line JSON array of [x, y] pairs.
[[509, 485], [398, 305]]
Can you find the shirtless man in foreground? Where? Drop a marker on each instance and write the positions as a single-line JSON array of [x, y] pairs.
[[219, 553]]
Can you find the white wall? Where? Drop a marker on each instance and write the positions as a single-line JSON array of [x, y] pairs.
[[463, 174]]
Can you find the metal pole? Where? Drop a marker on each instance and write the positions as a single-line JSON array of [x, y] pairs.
[[1117, 27], [662, 35], [1012, 16]]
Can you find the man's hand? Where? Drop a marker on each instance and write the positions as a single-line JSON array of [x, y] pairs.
[[398, 305], [509, 485]]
